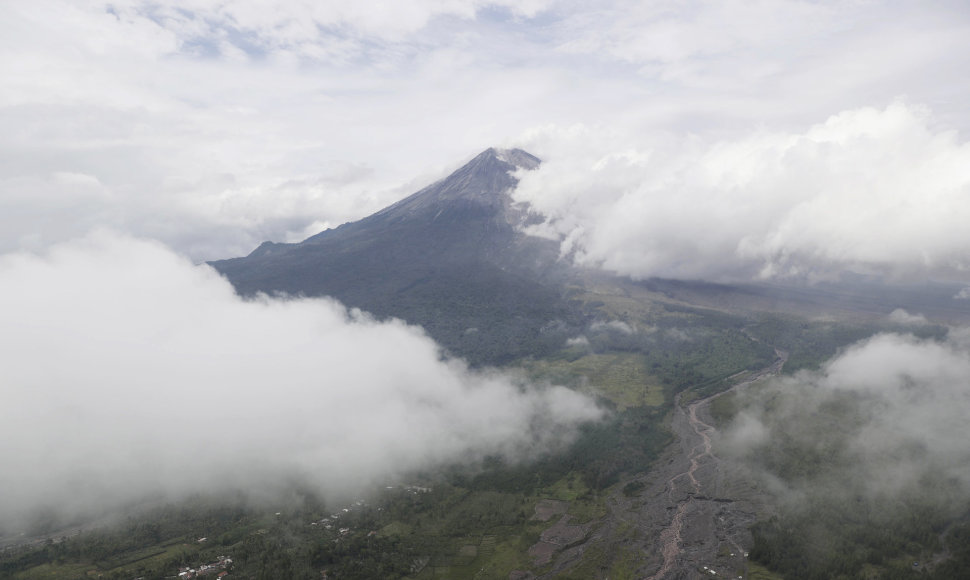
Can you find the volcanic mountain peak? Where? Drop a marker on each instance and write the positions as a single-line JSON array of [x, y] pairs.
[[484, 181], [496, 159], [516, 157], [450, 257]]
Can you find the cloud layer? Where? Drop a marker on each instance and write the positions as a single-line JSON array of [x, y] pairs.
[[874, 190], [214, 125], [884, 418], [128, 371]]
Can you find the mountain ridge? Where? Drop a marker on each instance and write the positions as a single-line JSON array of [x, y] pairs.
[[483, 180], [451, 257]]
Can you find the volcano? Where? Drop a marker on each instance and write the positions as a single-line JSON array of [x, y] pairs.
[[451, 258]]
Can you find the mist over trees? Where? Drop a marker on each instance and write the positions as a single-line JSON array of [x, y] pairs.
[[866, 458], [131, 373]]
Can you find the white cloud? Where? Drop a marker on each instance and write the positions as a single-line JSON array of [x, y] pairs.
[[215, 125], [579, 341], [129, 371], [900, 316], [613, 325], [897, 407], [758, 59], [213, 154], [342, 30], [677, 32], [870, 189]]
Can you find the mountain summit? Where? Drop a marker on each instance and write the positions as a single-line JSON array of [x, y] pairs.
[[487, 179], [451, 258]]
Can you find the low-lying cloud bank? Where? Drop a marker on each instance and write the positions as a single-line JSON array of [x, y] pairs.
[[875, 190], [885, 419], [129, 371]]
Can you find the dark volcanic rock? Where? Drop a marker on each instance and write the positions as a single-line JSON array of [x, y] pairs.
[[450, 257]]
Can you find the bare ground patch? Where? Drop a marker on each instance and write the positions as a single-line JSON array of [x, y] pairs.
[[547, 509], [560, 535]]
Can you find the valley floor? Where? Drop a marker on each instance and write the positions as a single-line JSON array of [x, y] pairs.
[[687, 518]]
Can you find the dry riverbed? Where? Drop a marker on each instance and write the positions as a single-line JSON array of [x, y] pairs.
[[690, 517]]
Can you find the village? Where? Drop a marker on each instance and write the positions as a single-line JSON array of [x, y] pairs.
[[220, 568]]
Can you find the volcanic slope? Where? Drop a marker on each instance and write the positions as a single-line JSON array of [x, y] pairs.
[[451, 258]]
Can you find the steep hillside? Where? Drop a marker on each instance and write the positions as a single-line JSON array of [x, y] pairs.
[[450, 258]]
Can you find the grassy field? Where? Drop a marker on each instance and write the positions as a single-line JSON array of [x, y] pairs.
[[622, 378], [758, 572], [56, 572], [118, 565], [504, 548]]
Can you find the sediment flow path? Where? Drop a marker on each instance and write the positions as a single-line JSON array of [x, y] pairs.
[[692, 543], [690, 521]]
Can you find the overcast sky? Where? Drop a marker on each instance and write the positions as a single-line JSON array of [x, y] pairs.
[[212, 125]]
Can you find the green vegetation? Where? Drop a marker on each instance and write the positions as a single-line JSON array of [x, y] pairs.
[[462, 523], [439, 530], [569, 488], [758, 572], [152, 545], [650, 354], [839, 517], [623, 378], [723, 409], [810, 343], [862, 539], [836, 518], [457, 525], [633, 488]]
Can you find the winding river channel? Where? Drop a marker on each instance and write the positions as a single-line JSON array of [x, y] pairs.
[[692, 518], [694, 493]]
